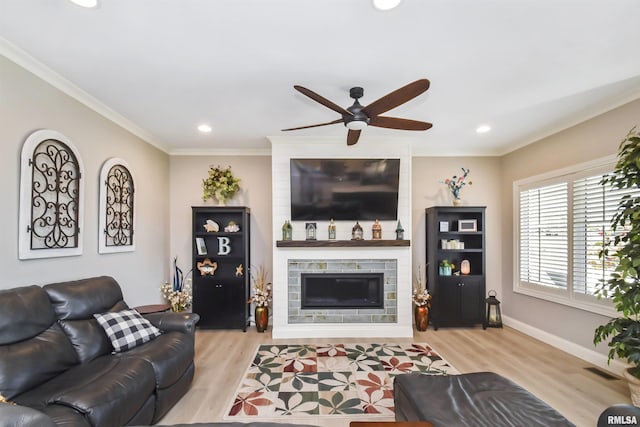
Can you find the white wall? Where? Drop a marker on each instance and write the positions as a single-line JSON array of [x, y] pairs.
[[27, 103]]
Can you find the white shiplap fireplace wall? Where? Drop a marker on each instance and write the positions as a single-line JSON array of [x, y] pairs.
[[286, 148]]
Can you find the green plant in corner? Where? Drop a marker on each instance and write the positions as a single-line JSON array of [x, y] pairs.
[[623, 286]]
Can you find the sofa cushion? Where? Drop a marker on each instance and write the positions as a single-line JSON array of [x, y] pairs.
[[75, 309], [88, 338], [81, 299], [24, 313], [170, 355], [34, 348], [127, 329], [108, 391]]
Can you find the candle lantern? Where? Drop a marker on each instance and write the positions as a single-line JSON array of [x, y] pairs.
[[356, 232], [376, 230], [399, 232], [287, 230], [494, 318]]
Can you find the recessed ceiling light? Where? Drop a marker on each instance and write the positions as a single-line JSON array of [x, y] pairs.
[[386, 4], [483, 128], [86, 3], [204, 128]]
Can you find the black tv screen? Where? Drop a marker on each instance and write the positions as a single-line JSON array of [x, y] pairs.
[[344, 189]]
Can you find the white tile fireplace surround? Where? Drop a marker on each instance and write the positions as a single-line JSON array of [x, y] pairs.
[[289, 320], [298, 314]]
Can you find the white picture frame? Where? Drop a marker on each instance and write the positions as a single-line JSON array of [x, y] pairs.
[[444, 226], [469, 225], [201, 246]]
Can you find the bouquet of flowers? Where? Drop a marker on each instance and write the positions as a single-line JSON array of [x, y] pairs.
[[455, 183], [421, 296], [261, 288], [220, 184], [178, 300], [178, 295]]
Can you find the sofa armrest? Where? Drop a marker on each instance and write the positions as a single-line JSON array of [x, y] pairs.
[[23, 416], [170, 321]]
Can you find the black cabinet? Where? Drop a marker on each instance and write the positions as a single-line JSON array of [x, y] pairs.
[[221, 275], [456, 235]]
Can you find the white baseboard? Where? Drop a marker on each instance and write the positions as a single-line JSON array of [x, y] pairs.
[[600, 360]]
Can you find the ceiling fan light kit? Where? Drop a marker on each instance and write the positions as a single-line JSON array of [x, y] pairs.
[[386, 4], [85, 3], [356, 124], [358, 117]]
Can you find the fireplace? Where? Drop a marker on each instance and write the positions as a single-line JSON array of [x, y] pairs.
[[342, 290]]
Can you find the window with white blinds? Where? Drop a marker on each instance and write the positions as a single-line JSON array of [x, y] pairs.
[[593, 207], [562, 222], [543, 235]]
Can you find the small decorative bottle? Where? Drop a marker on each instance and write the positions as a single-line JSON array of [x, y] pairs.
[[332, 230], [287, 230], [399, 232], [376, 230]]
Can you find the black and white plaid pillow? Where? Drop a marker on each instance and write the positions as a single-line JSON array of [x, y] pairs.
[[127, 329]]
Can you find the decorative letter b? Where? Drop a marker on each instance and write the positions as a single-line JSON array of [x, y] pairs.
[[224, 247]]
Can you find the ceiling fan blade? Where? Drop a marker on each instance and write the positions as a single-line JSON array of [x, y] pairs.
[[397, 97], [397, 123], [322, 100], [352, 136], [315, 126]]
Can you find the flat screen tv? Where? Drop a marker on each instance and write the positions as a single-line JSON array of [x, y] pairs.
[[344, 189]]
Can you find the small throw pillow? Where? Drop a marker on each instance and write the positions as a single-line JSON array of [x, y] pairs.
[[127, 329]]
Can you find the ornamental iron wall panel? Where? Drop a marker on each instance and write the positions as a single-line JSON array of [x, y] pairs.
[[119, 207], [55, 196], [51, 197]]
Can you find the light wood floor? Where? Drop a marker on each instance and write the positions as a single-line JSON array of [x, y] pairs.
[[558, 378]]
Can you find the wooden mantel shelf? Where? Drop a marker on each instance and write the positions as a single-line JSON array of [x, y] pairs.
[[340, 243]]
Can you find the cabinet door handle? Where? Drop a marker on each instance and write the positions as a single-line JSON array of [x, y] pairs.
[[461, 284]]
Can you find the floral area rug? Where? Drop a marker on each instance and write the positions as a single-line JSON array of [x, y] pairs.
[[331, 379]]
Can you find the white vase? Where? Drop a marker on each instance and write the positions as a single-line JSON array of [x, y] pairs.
[[634, 387]]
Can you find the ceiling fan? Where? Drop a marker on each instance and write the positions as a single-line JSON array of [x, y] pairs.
[[358, 117]]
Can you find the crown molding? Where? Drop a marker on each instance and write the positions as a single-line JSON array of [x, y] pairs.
[[26, 61]]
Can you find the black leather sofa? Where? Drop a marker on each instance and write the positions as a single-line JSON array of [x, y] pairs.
[[13, 416], [59, 367]]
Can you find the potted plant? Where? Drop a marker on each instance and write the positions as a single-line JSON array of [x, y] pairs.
[[178, 295], [220, 184], [623, 286]]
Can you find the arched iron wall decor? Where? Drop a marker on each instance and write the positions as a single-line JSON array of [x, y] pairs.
[[51, 197], [117, 196]]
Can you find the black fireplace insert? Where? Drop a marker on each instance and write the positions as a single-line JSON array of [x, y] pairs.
[[342, 290]]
